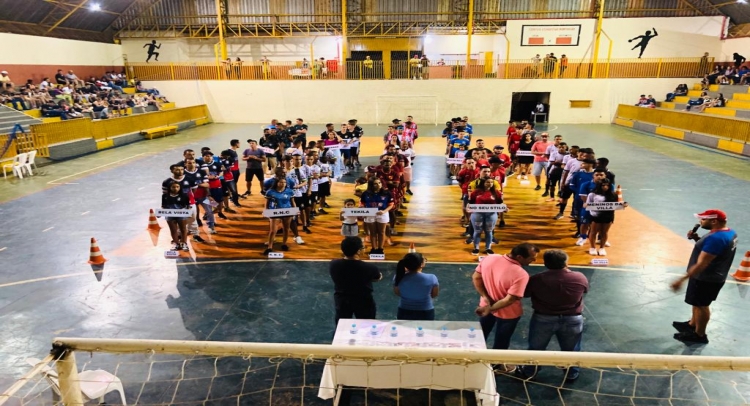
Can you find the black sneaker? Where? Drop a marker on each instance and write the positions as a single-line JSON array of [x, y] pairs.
[[205, 217], [246, 194], [469, 240], [326, 205], [221, 216], [200, 223], [198, 238], [545, 194], [691, 337], [321, 211], [682, 326], [380, 251], [285, 247], [307, 230], [502, 223], [237, 204], [267, 251], [228, 210], [409, 192], [489, 251], [494, 241], [538, 187], [475, 251]]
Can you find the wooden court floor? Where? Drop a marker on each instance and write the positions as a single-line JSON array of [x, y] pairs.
[[432, 223]]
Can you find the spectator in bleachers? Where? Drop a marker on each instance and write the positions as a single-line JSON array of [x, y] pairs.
[[726, 77], [51, 109], [717, 102], [680, 90], [45, 83], [714, 74], [738, 60], [60, 79], [697, 102], [5, 82], [73, 79], [139, 88]]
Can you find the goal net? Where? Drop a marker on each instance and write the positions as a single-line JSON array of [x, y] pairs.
[[158, 372], [424, 109]]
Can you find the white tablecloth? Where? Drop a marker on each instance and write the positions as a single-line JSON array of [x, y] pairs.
[[393, 374]]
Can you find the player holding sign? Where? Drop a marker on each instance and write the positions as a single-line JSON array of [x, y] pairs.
[[601, 220], [485, 193], [175, 198]]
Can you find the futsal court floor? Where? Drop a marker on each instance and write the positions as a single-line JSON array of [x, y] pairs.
[[225, 291]]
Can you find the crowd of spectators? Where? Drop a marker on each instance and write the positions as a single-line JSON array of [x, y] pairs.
[[67, 96]]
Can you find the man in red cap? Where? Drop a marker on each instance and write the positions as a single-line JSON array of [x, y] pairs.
[[707, 271]]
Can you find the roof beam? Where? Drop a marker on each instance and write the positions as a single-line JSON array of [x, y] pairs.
[[66, 4], [73, 9]]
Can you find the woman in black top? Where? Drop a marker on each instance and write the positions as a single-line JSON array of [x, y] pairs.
[[523, 160]]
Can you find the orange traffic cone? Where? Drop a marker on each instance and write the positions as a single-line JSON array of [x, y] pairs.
[[412, 248], [96, 257], [743, 272], [152, 223], [618, 192]]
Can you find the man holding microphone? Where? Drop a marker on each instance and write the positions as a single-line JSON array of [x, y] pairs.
[[707, 271]]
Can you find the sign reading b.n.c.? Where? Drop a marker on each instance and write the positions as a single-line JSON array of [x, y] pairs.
[[272, 213]]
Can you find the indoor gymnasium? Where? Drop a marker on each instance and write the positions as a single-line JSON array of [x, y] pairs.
[[374, 202]]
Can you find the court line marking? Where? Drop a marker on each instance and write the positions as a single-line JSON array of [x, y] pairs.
[[54, 182], [235, 261], [141, 188], [85, 213], [645, 189], [675, 190], [47, 229], [3, 249], [114, 200]]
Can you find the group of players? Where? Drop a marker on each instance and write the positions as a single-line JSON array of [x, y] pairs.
[[572, 171], [294, 173]]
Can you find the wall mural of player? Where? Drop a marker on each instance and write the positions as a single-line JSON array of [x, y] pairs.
[[645, 38], [152, 47]]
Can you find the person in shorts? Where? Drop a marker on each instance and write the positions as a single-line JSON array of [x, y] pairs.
[[382, 199], [707, 271], [349, 227], [255, 159]]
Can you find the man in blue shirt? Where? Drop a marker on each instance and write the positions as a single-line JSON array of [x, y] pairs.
[[456, 142], [584, 218], [707, 271]]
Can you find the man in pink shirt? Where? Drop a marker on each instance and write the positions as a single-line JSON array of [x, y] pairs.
[[501, 282], [541, 160]]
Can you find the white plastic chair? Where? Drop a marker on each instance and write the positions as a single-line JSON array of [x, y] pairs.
[[94, 384], [32, 157], [17, 165]]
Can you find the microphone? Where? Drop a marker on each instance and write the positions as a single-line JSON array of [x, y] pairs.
[[695, 228]]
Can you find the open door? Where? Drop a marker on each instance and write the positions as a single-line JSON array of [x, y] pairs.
[[530, 106]]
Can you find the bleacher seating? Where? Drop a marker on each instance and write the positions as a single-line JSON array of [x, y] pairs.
[[737, 96]]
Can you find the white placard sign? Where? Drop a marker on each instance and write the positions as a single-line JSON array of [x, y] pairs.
[[275, 255], [171, 254], [605, 206], [486, 208], [345, 146], [361, 212], [455, 161], [524, 153], [271, 213], [172, 213], [267, 150], [600, 261], [333, 146], [377, 257]]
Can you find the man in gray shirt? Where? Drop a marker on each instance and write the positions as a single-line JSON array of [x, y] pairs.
[[255, 159]]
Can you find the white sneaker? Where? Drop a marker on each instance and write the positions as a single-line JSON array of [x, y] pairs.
[[518, 177], [298, 240], [212, 231], [453, 178], [525, 177], [592, 251], [454, 182], [607, 244], [602, 252], [580, 241]]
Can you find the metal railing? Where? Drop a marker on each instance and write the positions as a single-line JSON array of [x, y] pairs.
[[406, 69]]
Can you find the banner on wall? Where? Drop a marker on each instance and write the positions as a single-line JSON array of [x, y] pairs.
[[550, 35]]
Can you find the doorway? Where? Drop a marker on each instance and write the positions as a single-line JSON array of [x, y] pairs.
[[524, 106]]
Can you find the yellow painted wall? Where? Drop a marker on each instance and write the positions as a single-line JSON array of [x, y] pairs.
[[384, 45]]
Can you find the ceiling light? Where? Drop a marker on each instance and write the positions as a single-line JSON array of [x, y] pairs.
[[96, 7], [742, 1]]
